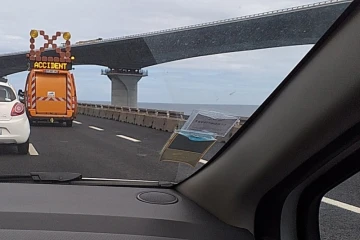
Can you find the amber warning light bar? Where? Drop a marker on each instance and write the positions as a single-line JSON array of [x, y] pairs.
[[57, 60]]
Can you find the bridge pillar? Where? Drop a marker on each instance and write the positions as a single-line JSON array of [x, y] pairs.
[[124, 85]]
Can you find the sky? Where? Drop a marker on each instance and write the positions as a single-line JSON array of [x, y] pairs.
[[245, 78]]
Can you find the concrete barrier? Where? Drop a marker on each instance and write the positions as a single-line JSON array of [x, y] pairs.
[[149, 121], [131, 118], [97, 112], [125, 109], [84, 110], [88, 111], [162, 113], [139, 119], [116, 115], [152, 112], [102, 113], [143, 111], [134, 110], [123, 116], [173, 114], [80, 110], [93, 112], [157, 119], [109, 113], [171, 124], [181, 123], [159, 123]]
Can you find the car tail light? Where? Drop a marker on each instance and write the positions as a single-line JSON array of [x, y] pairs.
[[17, 109]]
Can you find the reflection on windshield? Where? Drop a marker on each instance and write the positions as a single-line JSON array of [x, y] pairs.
[[150, 104]]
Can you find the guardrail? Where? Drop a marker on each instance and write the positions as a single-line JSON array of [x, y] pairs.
[[142, 72], [152, 112], [163, 120]]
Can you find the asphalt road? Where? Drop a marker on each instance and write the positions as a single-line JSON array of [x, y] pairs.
[[92, 147], [341, 218], [108, 149]]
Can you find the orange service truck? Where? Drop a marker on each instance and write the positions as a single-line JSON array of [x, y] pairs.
[[50, 91]]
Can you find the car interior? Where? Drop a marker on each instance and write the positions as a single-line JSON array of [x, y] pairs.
[[267, 182]]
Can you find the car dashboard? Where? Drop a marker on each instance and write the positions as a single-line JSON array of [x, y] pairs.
[[48, 211]]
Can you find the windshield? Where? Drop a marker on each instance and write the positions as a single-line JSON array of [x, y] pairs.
[[143, 91], [6, 94]]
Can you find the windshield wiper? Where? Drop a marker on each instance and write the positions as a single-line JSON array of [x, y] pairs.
[[42, 177], [124, 182], [77, 179]]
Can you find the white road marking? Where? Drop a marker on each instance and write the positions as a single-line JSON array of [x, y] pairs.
[[203, 161], [128, 138], [76, 122], [32, 150], [341, 205], [96, 128]]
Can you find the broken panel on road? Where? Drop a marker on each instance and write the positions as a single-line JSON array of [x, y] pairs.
[[190, 143]]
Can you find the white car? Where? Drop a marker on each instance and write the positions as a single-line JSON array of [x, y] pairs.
[[14, 123]]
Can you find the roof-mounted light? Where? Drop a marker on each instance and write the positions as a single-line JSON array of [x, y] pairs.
[[66, 35], [34, 33]]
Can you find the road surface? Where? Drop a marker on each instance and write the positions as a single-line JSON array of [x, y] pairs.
[[103, 148]]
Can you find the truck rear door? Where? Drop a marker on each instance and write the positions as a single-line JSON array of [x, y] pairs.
[[51, 93]]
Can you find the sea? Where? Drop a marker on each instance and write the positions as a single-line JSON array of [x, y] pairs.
[[237, 110]]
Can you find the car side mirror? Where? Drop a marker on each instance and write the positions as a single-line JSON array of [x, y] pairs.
[[21, 93], [21, 96]]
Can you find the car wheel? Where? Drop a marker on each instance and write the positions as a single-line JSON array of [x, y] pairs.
[[23, 148], [69, 123]]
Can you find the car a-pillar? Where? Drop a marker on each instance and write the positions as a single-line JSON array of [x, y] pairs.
[[124, 85]]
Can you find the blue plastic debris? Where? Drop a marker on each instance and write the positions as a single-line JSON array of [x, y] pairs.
[[197, 136]]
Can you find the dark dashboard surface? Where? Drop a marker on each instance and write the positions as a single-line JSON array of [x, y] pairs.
[[43, 211]]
